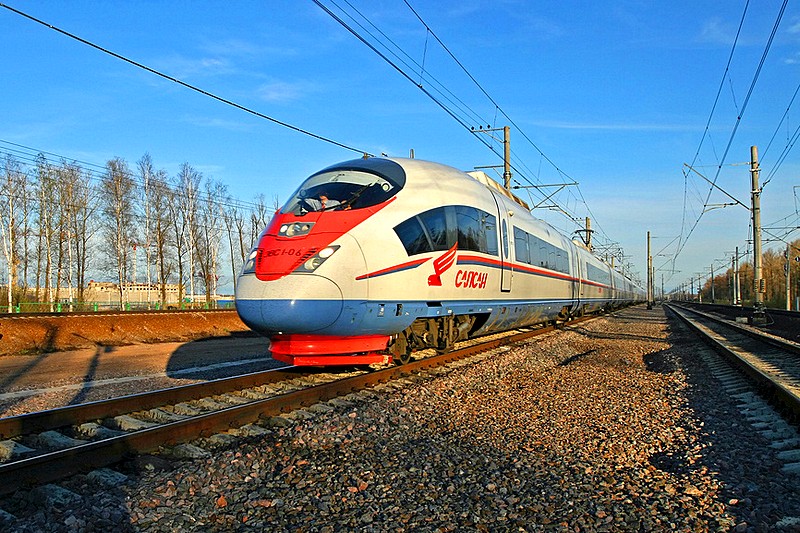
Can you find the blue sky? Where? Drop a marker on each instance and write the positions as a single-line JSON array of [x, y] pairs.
[[616, 95]]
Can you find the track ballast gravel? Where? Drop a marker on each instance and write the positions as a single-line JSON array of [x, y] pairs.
[[614, 425]]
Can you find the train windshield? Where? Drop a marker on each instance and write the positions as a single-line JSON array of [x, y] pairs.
[[337, 189]]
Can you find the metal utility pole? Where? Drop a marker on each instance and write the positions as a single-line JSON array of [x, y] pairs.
[[712, 282], [589, 233], [700, 288], [649, 274], [507, 157], [653, 277], [759, 284], [737, 289], [788, 268], [506, 152]]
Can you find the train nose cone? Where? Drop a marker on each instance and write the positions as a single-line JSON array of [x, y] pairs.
[[294, 304]]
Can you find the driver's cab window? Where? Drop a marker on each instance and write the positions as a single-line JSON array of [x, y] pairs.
[[338, 190]]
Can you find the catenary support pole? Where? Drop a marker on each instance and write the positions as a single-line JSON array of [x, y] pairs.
[[759, 284], [649, 274]]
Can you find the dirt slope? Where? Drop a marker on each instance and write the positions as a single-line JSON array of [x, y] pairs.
[[55, 333]]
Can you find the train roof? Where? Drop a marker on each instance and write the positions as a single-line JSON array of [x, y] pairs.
[[492, 184]]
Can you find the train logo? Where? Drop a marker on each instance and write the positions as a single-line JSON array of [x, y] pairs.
[[441, 265]]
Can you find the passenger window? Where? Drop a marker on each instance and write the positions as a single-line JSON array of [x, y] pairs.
[[436, 224], [521, 246], [504, 231], [490, 228], [413, 237], [438, 229]]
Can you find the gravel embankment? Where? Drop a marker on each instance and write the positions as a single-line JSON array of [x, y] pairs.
[[614, 426]]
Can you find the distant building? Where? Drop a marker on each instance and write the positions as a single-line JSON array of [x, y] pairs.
[[134, 293]]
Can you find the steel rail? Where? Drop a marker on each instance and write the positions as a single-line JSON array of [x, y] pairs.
[[784, 391], [39, 421], [56, 465]]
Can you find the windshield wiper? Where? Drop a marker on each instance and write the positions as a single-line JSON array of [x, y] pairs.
[[355, 195]]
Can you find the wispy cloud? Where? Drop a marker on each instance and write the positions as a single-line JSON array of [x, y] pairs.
[[241, 49], [616, 127], [182, 67], [216, 123], [793, 60], [283, 91], [717, 32]]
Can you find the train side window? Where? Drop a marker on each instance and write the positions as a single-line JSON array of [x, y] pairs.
[[476, 230], [521, 246], [552, 264], [490, 228], [413, 236], [469, 228], [435, 223], [504, 231], [426, 232], [562, 261], [599, 275]]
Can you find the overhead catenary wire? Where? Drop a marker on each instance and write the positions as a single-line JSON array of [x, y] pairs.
[[441, 101], [227, 101], [424, 75], [708, 125], [740, 113], [203, 197], [30, 156], [510, 120], [30, 162], [183, 83], [457, 113]]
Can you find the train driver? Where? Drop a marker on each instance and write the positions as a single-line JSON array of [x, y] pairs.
[[322, 203]]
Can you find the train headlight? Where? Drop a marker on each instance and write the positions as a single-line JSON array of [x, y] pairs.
[[317, 259], [250, 263], [313, 263], [295, 229]]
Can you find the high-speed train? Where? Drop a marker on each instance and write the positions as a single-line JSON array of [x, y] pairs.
[[373, 258]]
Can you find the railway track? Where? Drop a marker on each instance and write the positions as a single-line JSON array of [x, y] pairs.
[[771, 366], [780, 323], [41, 447]]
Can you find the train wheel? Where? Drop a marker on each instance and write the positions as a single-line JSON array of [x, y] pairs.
[[404, 358], [401, 351]]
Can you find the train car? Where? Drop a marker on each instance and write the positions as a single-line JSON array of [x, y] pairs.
[[373, 258]]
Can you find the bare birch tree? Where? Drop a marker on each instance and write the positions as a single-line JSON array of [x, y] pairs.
[[188, 191], [25, 210], [46, 200], [81, 226], [233, 220], [259, 216], [146, 174], [10, 188], [178, 234], [66, 176], [209, 236], [117, 200]]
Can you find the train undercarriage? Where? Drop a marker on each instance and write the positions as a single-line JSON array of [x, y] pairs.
[[439, 333]]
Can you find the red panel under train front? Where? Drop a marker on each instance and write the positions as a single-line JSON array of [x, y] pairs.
[[314, 350]]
